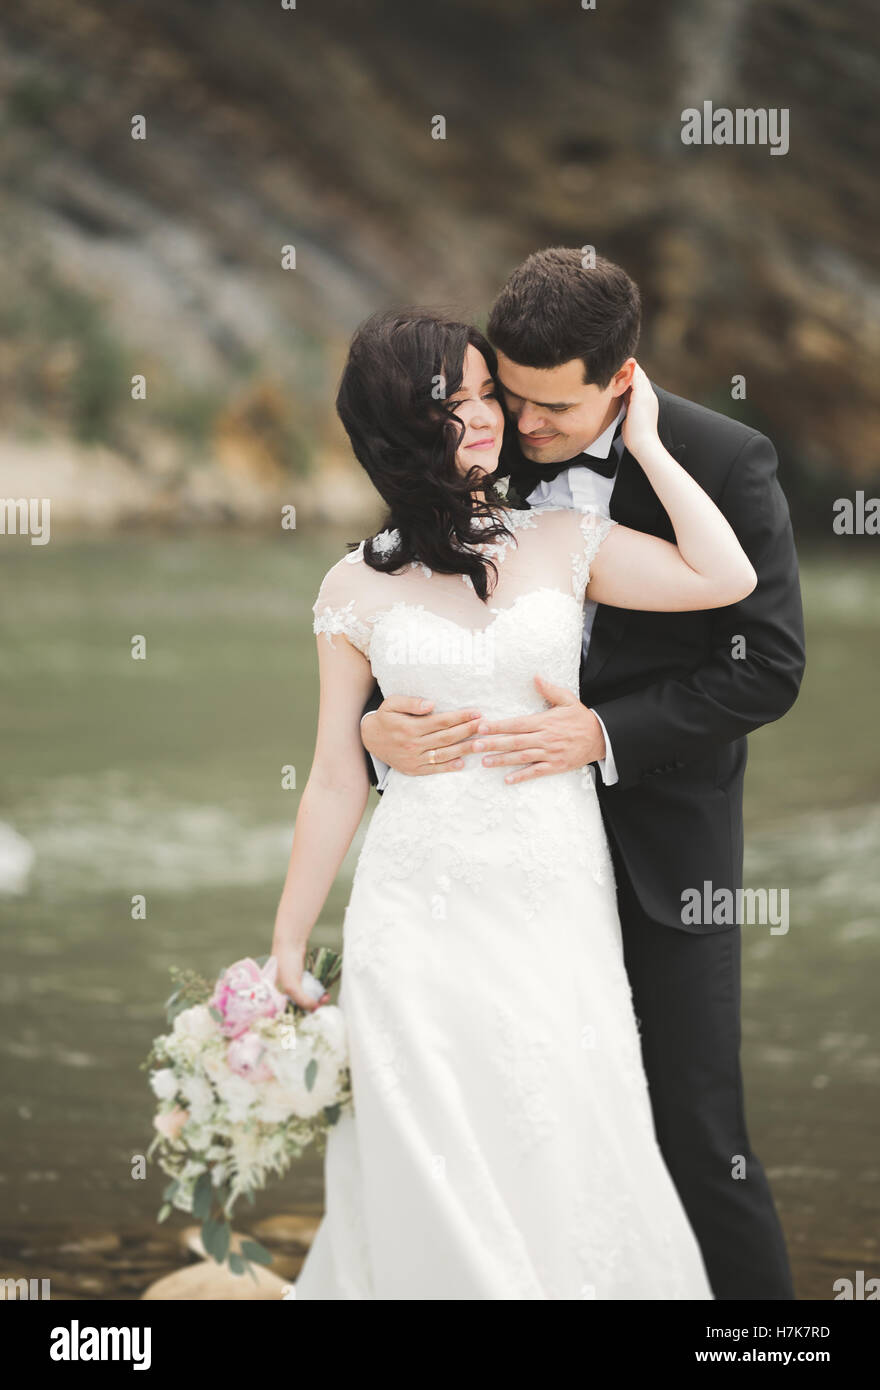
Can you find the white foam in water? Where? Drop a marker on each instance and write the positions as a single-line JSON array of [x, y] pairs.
[[105, 834], [831, 861], [16, 861]]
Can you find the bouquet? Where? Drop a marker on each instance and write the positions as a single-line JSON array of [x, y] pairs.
[[246, 1081]]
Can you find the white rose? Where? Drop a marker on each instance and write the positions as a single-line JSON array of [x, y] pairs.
[[237, 1095], [185, 1049], [275, 1104], [196, 1023], [198, 1138], [164, 1084], [328, 1025], [286, 1063], [290, 1069], [199, 1097], [213, 1064]]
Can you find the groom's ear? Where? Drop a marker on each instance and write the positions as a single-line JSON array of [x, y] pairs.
[[622, 379]]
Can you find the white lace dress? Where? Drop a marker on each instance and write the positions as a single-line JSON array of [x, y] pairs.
[[502, 1144]]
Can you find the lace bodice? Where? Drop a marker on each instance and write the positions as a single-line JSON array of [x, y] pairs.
[[431, 635]]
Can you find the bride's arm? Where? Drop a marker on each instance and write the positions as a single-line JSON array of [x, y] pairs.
[[330, 808], [707, 568]]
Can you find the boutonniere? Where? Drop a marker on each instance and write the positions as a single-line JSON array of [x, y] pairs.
[[506, 492], [500, 487]]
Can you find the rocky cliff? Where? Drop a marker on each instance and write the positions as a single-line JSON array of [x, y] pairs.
[[311, 127]]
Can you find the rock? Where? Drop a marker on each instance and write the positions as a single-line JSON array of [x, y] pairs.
[[208, 1281], [292, 1232]]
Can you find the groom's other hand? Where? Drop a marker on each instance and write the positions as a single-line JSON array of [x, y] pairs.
[[559, 739], [404, 733]]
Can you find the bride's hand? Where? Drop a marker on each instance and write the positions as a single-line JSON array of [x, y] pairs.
[[291, 963], [640, 426]]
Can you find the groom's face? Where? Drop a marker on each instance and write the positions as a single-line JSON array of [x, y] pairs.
[[557, 413]]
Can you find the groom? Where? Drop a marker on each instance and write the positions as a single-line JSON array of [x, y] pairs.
[[667, 700]]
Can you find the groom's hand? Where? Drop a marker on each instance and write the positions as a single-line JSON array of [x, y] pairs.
[[559, 739], [404, 733]]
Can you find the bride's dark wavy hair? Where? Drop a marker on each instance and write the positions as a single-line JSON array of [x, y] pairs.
[[393, 401]]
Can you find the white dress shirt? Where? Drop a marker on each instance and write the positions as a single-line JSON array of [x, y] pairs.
[[581, 487], [574, 487]]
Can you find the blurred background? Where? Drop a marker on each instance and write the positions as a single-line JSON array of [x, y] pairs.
[[311, 127]]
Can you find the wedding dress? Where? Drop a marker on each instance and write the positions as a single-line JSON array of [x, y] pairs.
[[501, 1144]]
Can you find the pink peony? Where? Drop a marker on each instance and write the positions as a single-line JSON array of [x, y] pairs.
[[243, 1058], [171, 1122], [244, 992]]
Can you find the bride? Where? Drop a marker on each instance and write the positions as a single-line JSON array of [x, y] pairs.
[[501, 1144]]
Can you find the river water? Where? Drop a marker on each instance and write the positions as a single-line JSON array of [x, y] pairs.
[[163, 777]]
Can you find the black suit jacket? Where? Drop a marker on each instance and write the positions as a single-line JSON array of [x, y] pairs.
[[679, 692]]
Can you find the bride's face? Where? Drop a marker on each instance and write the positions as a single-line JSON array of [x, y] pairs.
[[476, 405]]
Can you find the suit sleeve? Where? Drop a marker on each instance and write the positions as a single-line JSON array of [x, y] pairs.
[[374, 702], [753, 673]]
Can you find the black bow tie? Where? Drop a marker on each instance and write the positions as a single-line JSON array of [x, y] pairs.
[[605, 467]]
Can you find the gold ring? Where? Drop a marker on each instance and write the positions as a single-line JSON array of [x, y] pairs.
[[432, 755]]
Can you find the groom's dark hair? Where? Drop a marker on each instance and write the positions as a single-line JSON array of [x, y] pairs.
[[555, 308]]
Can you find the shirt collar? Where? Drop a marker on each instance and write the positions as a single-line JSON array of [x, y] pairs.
[[601, 447]]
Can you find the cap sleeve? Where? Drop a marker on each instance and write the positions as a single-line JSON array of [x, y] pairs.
[[593, 527], [337, 610]]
